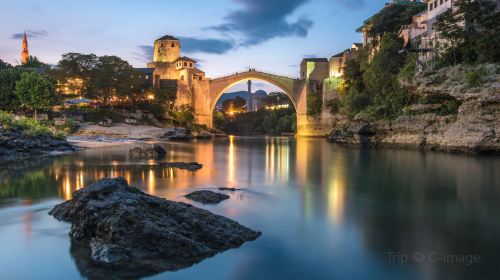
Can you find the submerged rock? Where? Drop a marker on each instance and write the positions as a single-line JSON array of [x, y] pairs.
[[229, 189], [191, 166], [139, 234], [150, 152], [207, 197]]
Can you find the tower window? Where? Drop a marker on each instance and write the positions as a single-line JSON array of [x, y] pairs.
[[173, 45]]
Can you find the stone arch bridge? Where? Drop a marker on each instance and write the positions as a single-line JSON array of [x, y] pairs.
[[207, 94]]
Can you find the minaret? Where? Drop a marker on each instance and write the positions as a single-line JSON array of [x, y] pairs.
[[249, 102], [25, 55]]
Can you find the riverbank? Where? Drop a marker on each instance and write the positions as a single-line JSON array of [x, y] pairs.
[[453, 117]]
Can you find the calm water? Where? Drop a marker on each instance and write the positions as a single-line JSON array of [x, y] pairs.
[[326, 212]]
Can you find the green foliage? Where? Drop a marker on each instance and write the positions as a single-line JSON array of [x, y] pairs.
[[314, 103], [184, 117], [474, 79], [28, 126], [355, 101], [34, 62], [391, 18], [35, 92], [96, 115], [450, 107], [470, 31], [8, 97], [4, 65], [333, 106], [69, 126], [407, 72], [258, 123], [164, 95]]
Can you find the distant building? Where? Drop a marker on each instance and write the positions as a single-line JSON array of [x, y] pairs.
[[367, 24], [420, 36], [25, 55], [338, 61], [169, 70]]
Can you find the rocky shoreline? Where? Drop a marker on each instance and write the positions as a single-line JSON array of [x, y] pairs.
[[473, 127], [14, 144]]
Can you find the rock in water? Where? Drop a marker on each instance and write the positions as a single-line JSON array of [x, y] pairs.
[[207, 197], [150, 152], [140, 234], [191, 166]]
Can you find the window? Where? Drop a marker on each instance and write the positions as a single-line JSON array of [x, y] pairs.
[[159, 50], [182, 77], [161, 45], [430, 7], [185, 64], [435, 4], [441, 2], [191, 64], [173, 45]]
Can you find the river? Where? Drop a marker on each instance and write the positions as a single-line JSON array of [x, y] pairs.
[[326, 212]]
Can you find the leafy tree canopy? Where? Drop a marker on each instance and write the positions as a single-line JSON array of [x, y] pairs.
[[4, 65], [35, 92]]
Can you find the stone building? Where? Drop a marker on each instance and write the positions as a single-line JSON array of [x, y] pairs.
[[169, 70], [420, 36], [338, 61]]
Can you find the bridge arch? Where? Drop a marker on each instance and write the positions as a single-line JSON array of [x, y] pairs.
[[220, 85]]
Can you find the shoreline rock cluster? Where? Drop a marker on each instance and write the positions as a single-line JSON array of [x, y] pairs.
[[472, 127], [16, 145], [119, 227]]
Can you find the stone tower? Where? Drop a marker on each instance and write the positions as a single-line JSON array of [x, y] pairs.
[[167, 49], [25, 55]]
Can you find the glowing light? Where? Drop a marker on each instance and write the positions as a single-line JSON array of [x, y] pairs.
[[230, 160]]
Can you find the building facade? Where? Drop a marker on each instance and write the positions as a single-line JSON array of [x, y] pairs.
[[171, 70], [337, 62]]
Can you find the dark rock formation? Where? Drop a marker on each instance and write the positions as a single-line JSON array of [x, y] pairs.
[[15, 144], [207, 197], [150, 152], [116, 227], [229, 189], [178, 134], [191, 166]]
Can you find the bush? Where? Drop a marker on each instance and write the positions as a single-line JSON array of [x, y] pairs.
[[474, 79], [355, 101]]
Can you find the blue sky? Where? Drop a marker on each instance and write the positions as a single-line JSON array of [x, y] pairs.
[[225, 36]]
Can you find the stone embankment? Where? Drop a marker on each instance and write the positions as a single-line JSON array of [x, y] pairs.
[[14, 144], [455, 117]]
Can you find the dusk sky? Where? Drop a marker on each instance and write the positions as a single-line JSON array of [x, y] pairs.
[[225, 36]]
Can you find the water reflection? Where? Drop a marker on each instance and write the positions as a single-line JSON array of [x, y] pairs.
[[316, 203]]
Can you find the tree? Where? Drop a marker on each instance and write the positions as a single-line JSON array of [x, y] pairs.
[[391, 18], [164, 96], [470, 32], [4, 65], [8, 98], [35, 92], [34, 62], [77, 67]]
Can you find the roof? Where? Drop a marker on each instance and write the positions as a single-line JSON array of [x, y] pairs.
[[359, 45], [315, 59], [339, 54], [146, 70], [167, 37], [185, 58]]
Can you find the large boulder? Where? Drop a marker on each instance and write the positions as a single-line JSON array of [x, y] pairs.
[[150, 152], [123, 228]]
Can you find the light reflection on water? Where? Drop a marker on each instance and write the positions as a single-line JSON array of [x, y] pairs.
[[325, 212]]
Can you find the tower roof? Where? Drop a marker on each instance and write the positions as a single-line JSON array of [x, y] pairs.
[[167, 37]]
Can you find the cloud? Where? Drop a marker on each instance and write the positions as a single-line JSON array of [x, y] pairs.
[[145, 53], [263, 20], [30, 33], [212, 46]]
